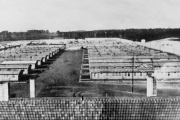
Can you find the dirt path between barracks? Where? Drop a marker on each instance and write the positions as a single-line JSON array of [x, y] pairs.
[[62, 80]]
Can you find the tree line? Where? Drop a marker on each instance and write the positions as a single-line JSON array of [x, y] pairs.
[[131, 34], [149, 34], [29, 35]]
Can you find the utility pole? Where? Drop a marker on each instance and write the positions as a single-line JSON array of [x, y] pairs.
[[133, 73]]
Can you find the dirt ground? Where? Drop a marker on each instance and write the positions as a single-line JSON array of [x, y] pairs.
[[62, 80]]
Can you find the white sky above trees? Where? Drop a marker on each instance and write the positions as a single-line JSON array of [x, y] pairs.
[[70, 15]]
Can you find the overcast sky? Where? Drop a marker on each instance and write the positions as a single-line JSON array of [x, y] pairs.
[[70, 15]]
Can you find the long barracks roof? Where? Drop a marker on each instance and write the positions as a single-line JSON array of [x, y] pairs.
[[14, 66], [23, 59], [118, 64], [10, 71], [19, 62], [130, 57], [113, 71]]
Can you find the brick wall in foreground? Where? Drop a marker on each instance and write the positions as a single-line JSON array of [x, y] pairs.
[[91, 109]]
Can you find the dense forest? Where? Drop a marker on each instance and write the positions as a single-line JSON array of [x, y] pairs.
[[131, 34], [29, 35], [149, 34]]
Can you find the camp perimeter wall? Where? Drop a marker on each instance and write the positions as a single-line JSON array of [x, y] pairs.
[[91, 109]]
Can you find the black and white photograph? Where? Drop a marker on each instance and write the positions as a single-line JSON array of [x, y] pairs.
[[89, 59]]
